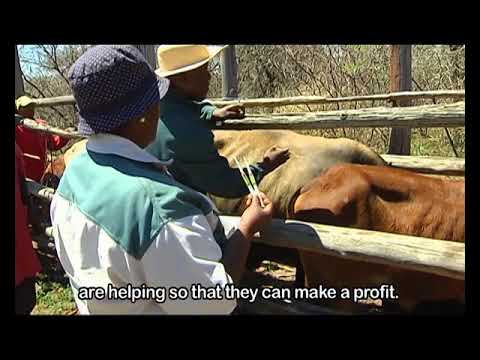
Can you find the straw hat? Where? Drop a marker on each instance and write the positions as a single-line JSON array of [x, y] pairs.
[[175, 59]]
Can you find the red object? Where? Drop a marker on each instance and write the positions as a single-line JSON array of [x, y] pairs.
[[34, 145], [27, 264]]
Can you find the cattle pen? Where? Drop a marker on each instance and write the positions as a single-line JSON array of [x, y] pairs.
[[443, 258]]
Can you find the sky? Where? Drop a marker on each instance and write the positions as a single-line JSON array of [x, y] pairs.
[[27, 51], [30, 52]]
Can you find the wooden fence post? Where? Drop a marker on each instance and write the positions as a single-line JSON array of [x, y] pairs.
[[400, 80], [229, 73]]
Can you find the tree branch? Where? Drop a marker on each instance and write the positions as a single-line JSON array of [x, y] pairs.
[[41, 93]]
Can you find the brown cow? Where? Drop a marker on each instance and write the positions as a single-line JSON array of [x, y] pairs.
[[388, 200], [309, 157]]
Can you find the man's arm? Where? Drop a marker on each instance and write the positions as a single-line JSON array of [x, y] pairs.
[[208, 112]]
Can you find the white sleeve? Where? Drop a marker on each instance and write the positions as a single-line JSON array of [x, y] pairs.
[[185, 253]]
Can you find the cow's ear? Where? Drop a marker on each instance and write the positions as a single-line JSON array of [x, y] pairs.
[[333, 200], [335, 206]]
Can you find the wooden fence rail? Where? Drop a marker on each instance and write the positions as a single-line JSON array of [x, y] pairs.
[[427, 116], [297, 100], [450, 115], [434, 165], [444, 258], [33, 125]]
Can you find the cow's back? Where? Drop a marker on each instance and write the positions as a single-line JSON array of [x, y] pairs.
[[385, 199], [309, 157]]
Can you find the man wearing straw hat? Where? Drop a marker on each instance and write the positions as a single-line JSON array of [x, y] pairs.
[[184, 128], [126, 231]]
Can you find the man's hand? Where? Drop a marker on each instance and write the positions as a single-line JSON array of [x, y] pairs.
[[274, 157], [235, 111], [255, 218]]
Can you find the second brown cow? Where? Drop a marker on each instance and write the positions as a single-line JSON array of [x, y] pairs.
[[388, 200]]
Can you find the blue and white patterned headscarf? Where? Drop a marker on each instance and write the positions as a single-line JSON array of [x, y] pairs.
[[113, 84]]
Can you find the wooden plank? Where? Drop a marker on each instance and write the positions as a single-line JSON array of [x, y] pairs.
[[450, 115], [296, 100], [33, 125], [444, 258], [228, 63], [55, 101], [319, 100], [428, 164], [400, 80]]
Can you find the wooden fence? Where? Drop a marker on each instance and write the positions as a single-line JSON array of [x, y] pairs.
[[299, 100], [425, 116]]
